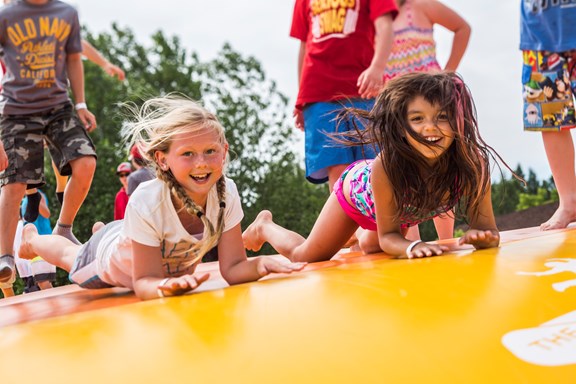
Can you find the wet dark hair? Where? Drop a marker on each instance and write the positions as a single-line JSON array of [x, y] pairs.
[[462, 171]]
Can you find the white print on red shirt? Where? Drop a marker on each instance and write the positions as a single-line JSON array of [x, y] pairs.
[[333, 19]]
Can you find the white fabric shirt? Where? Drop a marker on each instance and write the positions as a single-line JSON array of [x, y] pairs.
[[152, 220]]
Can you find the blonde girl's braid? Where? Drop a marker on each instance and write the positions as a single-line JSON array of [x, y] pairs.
[[211, 240], [221, 189]]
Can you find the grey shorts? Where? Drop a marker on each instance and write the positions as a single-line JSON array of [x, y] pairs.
[[23, 138], [84, 272]]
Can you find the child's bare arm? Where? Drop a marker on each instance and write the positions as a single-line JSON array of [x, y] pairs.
[[236, 268], [483, 232], [390, 236], [75, 71], [370, 81], [440, 14], [298, 116], [148, 275], [96, 57]]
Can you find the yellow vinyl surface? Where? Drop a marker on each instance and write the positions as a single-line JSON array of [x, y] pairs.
[[465, 317]]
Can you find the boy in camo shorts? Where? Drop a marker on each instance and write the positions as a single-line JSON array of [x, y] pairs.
[[42, 53]]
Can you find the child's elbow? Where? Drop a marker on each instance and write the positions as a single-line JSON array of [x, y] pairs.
[[229, 276], [142, 290]]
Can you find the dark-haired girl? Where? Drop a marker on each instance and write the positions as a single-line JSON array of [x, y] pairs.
[[431, 159]]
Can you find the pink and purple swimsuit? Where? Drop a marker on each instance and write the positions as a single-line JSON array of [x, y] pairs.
[[362, 210]]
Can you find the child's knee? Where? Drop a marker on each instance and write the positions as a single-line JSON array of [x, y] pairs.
[[13, 192], [84, 166], [368, 242]]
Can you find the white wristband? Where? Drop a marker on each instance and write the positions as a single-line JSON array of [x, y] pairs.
[[81, 106], [158, 290], [411, 247]]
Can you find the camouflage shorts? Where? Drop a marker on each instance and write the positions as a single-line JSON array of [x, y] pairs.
[[23, 137]]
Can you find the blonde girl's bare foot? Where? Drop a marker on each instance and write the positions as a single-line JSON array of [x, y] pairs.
[[97, 226], [559, 220], [28, 233], [252, 236]]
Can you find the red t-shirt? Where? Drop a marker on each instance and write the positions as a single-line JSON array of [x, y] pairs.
[[339, 38], [120, 204]]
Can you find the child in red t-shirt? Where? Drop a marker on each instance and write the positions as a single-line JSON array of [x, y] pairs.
[[343, 52]]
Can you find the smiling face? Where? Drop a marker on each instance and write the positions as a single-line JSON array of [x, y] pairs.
[[196, 161], [431, 124]]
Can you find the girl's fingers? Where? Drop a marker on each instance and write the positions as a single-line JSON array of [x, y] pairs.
[[285, 268], [202, 278], [430, 250], [184, 283], [297, 266]]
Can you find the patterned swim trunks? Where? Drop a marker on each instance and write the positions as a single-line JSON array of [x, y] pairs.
[[549, 81], [23, 137]]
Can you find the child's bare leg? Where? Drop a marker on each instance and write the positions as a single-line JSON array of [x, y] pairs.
[[8, 292], [413, 233], [332, 229], [264, 229], [45, 285], [444, 226], [10, 199], [56, 250], [97, 226], [61, 182], [334, 173], [560, 152], [74, 195]]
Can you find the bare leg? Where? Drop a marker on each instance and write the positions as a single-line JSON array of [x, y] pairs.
[[56, 250], [74, 195], [334, 173], [10, 199], [332, 229], [8, 292], [97, 226], [560, 152], [45, 285], [444, 226], [413, 233], [61, 181]]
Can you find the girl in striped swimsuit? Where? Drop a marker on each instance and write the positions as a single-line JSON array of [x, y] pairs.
[[431, 159]]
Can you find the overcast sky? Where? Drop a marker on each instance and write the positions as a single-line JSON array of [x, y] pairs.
[[491, 66]]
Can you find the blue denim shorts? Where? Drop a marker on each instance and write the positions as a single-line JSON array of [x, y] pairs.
[[322, 152]]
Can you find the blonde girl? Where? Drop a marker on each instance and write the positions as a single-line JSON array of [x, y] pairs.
[[431, 158], [171, 222]]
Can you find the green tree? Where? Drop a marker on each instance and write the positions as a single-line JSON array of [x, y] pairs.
[[505, 193]]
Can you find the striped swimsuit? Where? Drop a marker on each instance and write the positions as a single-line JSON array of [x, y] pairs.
[[414, 50]]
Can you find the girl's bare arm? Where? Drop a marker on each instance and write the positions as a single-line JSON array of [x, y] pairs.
[[148, 275], [391, 239], [483, 232], [442, 15]]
